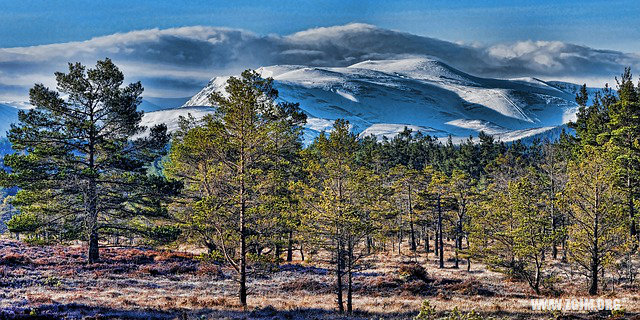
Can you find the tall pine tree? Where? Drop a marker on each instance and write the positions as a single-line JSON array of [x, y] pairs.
[[229, 164], [77, 163]]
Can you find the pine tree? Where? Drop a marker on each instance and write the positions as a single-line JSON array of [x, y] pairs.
[[437, 193], [229, 163], [344, 201], [597, 234], [624, 124], [78, 166], [462, 193], [582, 97], [591, 125], [509, 230], [553, 177], [406, 183]]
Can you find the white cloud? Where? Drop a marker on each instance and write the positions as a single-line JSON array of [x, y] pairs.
[[178, 61]]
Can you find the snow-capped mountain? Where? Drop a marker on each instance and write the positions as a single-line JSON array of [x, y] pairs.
[[383, 97]]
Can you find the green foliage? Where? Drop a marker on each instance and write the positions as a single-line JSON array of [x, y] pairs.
[[346, 201], [598, 234], [511, 231], [36, 241], [52, 281], [456, 314], [235, 167], [163, 234], [427, 312], [23, 222], [617, 314], [212, 257], [78, 161]]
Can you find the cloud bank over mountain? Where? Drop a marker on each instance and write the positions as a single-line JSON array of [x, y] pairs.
[[177, 62]]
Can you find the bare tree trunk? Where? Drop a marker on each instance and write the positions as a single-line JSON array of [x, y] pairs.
[[554, 228], [593, 286], [458, 242], [468, 256], [413, 233], [440, 242], [426, 239], [94, 253], [564, 240], [243, 233], [243, 255], [349, 277], [278, 250], [595, 259], [339, 276], [632, 211], [91, 201], [400, 237], [536, 285], [290, 246], [436, 249]]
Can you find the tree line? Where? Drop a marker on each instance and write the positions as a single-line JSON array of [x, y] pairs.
[[242, 184]]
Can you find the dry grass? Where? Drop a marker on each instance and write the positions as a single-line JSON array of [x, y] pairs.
[[54, 282]]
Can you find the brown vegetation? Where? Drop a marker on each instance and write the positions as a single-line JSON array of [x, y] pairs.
[[54, 282]]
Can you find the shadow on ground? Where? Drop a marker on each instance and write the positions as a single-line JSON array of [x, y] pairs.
[[80, 311]]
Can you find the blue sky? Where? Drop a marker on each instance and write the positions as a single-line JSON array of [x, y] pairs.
[[598, 24], [175, 47]]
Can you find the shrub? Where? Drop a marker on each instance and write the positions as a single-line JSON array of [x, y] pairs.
[[212, 257], [151, 270], [377, 284], [262, 264], [456, 314], [135, 256], [14, 259], [470, 287], [415, 287], [210, 270], [23, 222], [181, 268], [52, 281], [37, 241], [427, 312], [413, 271]]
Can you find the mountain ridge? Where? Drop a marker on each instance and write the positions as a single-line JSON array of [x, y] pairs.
[[381, 97]]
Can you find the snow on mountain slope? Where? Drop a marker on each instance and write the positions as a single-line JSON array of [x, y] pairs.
[[391, 129], [170, 116], [382, 97]]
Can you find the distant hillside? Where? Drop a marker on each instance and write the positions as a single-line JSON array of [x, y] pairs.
[[382, 97]]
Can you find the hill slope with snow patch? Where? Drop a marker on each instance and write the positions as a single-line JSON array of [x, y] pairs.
[[382, 97]]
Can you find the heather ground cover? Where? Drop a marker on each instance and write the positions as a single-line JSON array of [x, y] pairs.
[[55, 282]]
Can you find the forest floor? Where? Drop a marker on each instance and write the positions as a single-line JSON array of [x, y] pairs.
[[54, 282]]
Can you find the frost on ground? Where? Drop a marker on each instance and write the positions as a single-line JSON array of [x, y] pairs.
[[54, 282]]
